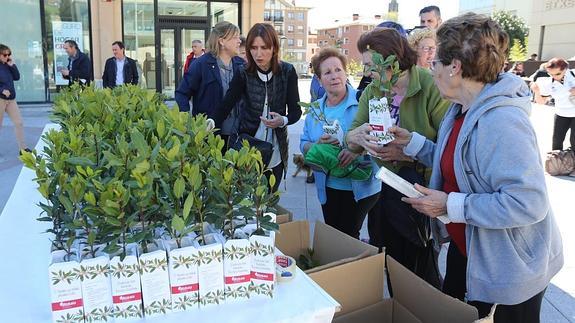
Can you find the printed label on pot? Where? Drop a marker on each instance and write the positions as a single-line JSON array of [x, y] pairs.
[[66, 292], [184, 278], [237, 269], [380, 120], [211, 274], [262, 265], [96, 288], [155, 283], [126, 289]]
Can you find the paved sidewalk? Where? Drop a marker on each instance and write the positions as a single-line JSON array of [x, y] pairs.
[[301, 198]]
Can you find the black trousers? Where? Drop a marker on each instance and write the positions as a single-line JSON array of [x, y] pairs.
[[560, 127], [455, 282], [342, 212]]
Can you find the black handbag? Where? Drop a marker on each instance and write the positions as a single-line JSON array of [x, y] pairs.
[[266, 148]]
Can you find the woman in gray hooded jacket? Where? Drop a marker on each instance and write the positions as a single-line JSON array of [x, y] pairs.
[[487, 176]]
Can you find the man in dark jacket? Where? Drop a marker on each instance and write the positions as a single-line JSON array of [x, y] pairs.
[[79, 64], [119, 69]]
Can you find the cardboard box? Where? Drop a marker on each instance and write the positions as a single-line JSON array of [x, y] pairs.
[[283, 215], [347, 265], [331, 246], [414, 301]]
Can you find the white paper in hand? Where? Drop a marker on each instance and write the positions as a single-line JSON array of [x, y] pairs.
[[403, 186]]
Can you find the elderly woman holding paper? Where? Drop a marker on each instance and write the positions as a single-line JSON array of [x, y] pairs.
[[487, 176], [344, 201], [416, 105]]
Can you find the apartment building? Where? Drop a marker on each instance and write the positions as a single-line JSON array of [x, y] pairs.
[[344, 35], [291, 23]]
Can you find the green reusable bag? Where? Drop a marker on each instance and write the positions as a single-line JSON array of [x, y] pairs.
[[323, 157]]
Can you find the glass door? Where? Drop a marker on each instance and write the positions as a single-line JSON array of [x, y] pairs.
[[168, 62], [175, 45]]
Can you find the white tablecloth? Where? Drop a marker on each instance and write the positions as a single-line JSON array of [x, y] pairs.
[[24, 285]]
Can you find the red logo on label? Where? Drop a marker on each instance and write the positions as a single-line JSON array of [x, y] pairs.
[[127, 298], [376, 127], [238, 279], [66, 305], [262, 276], [185, 288]]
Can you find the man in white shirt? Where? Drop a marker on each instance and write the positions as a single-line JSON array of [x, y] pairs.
[[119, 69]]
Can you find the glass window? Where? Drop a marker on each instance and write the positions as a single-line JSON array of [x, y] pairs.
[[65, 19], [182, 8], [139, 38], [224, 11], [299, 15], [24, 37], [300, 42], [300, 29], [290, 42], [267, 16], [290, 15], [290, 28]]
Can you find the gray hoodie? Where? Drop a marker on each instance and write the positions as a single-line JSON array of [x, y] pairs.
[[513, 243]]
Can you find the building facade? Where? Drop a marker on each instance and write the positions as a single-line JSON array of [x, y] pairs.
[[521, 8], [344, 35], [156, 33], [551, 24], [290, 21]]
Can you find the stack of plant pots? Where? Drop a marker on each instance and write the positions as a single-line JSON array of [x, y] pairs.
[[141, 196]]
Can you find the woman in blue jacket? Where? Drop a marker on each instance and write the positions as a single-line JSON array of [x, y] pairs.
[[208, 77], [8, 74], [487, 176], [344, 202]]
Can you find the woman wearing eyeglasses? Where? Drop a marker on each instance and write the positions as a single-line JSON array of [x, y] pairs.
[[487, 176], [417, 106], [8, 74], [562, 89], [423, 42]]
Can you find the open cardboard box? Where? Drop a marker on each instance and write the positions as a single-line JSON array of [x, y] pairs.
[[345, 262], [414, 301], [283, 215]]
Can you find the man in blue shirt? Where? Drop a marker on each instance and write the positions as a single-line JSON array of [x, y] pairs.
[[119, 69]]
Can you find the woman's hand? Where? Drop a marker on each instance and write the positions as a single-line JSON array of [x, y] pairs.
[[346, 157], [276, 121], [6, 92], [433, 204], [361, 136], [402, 136], [328, 139]]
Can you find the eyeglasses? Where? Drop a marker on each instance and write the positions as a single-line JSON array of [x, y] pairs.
[[6, 55], [428, 49], [433, 63]]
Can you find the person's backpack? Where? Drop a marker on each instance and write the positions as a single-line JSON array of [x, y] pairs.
[[560, 162]]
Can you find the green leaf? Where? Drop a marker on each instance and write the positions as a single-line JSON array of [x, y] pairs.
[[82, 161], [142, 167], [179, 186], [90, 198], [188, 205], [178, 223]]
